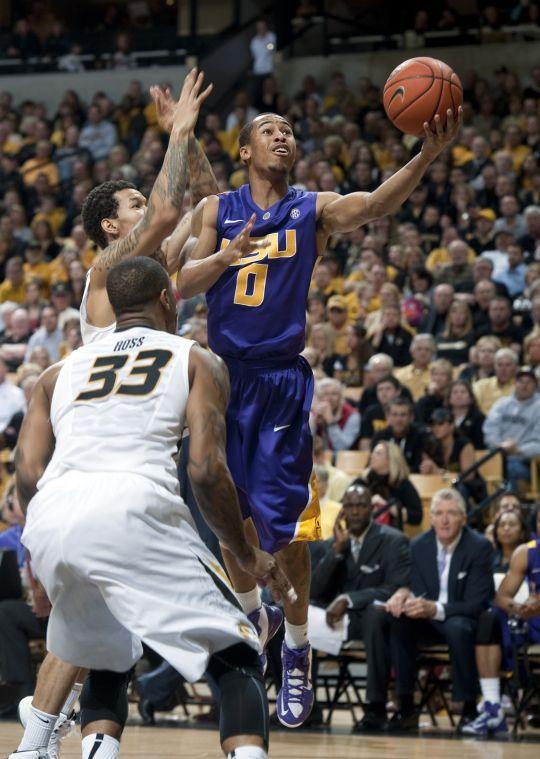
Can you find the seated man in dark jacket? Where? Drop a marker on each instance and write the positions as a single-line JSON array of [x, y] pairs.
[[451, 585], [363, 563]]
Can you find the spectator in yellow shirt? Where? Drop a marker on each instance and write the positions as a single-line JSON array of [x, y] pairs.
[[13, 287], [514, 144], [41, 164], [416, 375], [338, 317], [35, 266], [490, 389]]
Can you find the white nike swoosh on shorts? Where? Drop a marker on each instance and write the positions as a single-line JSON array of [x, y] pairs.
[[283, 426], [233, 221]]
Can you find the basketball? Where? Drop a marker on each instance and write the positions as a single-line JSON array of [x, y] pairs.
[[419, 89]]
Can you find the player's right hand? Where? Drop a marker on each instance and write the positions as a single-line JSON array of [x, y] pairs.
[[266, 571], [242, 245], [182, 114]]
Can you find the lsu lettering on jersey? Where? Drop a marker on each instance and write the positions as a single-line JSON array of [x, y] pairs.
[[119, 404], [257, 308]]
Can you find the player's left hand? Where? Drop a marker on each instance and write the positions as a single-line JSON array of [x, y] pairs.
[[266, 571], [164, 104], [436, 141]]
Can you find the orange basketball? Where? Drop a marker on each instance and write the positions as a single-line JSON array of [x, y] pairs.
[[419, 89]]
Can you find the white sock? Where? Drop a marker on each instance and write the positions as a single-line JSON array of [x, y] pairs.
[[491, 689], [100, 746], [296, 636], [251, 600], [38, 730], [248, 752], [72, 699]]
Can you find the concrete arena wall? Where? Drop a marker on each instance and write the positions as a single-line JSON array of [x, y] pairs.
[[48, 88], [519, 57]]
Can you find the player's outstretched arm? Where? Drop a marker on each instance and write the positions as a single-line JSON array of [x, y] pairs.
[[209, 474], [165, 202], [35, 445], [343, 213]]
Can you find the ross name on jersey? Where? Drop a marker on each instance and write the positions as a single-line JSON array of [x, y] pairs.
[[132, 342]]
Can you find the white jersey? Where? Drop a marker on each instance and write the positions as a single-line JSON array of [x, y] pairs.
[[89, 332], [119, 405]]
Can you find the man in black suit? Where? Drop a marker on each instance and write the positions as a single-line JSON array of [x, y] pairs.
[[451, 584], [363, 563]]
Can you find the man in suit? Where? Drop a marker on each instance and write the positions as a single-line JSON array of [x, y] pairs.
[[363, 563], [451, 584]]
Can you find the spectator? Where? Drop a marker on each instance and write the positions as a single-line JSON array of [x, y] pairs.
[[458, 272], [329, 509], [12, 288], [450, 451], [501, 325], [262, 48], [13, 343], [359, 351], [340, 586], [403, 431], [512, 273], [338, 481], [484, 292], [43, 163], [336, 309], [435, 319], [468, 419], [451, 584], [513, 424], [454, 342], [99, 135], [490, 389], [441, 374], [48, 336], [379, 365], [375, 418], [391, 338], [122, 57], [24, 43], [11, 397], [335, 420], [415, 376], [387, 477]]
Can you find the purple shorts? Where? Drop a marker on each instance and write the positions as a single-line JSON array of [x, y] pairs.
[[270, 450]]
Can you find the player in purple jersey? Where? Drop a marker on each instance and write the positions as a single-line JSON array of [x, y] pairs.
[[256, 276]]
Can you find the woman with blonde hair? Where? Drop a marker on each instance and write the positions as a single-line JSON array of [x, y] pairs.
[[387, 476], [457, 337], [321, 337]]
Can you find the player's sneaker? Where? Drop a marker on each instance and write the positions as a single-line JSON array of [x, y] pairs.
[[295, 699], [266, 631], [64, 725], [491, 720]]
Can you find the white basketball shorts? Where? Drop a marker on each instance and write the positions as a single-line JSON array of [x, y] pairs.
[[122, 563]]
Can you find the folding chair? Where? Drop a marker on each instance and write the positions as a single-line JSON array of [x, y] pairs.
[[431, 659]]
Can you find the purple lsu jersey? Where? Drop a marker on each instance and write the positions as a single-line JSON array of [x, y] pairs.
[[257, 308]]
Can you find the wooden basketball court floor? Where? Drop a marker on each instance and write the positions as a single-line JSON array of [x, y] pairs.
[[180, 742]]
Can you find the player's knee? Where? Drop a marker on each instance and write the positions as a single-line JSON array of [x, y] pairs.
[[104, 697], [244, 706]]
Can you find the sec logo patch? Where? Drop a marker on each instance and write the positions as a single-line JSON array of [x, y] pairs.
[[295, 213]]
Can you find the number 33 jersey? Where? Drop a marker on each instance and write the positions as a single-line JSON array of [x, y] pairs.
[[119, 405], [257, 308]]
